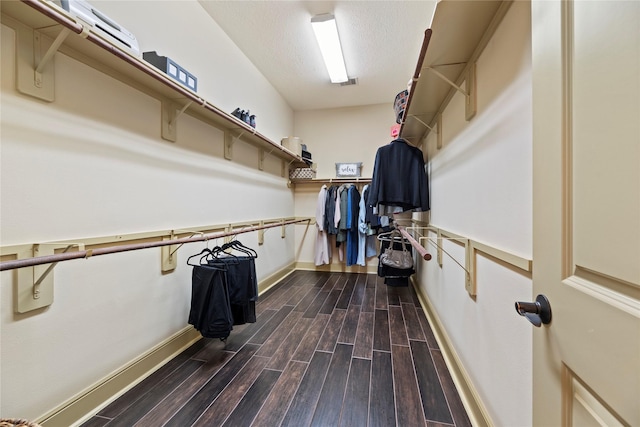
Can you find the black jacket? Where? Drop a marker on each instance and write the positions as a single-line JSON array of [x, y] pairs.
[[399, 178]]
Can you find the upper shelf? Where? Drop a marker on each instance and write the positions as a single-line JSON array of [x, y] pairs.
[[459, 32], [98, 52]]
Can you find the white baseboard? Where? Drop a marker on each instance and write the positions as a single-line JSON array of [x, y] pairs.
[[336, 268], [470, 398], [85, 404]]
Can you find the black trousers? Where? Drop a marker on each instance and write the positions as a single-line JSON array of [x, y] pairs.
[[210, 309], [243, 286]]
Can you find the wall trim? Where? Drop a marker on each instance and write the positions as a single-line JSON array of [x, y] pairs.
[[85, 404], [337, 268], [275, 278], [471, 400], [90, 401]]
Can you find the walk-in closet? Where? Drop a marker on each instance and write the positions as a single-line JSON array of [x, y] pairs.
[[202, 225]]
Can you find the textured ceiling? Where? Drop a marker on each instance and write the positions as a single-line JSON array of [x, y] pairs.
[[381, 41]]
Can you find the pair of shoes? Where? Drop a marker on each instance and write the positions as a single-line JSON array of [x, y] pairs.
[[245, 116]]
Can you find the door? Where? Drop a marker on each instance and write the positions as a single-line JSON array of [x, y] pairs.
[[586, 145]]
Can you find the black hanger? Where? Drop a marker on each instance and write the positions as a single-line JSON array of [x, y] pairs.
[[204, 254], [237, 245], [218, 255], [205, 251]]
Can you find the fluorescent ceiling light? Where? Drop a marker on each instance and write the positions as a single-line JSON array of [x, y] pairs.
[[326, 31]]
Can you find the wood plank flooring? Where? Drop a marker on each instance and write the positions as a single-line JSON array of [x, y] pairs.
[[328, 349]]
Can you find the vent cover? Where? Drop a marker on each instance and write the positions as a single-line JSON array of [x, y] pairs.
[[349, 82]]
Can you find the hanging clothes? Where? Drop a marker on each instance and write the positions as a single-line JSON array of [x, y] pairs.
[[353, 200], [243, 287], [224, 290], [340, 207], [399, 181], [210, 311], [322, 243], [330, 211], [343, 192], [366, 237]]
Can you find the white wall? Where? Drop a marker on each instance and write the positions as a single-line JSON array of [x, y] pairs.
[[93, 164], [340, 135], [183, 31], [480, 184]]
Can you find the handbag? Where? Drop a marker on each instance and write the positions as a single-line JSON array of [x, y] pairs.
[[401, 259]]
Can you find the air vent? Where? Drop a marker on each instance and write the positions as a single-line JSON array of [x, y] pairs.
[[349, 82]]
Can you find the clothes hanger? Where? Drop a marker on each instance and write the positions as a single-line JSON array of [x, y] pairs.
[[218, 255], [203, 254], [237, 245], [390, 236]]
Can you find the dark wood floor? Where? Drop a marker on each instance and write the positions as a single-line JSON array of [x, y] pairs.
[[328, 349]]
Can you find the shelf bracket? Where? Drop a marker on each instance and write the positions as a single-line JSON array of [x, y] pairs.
[[168, 255], [261, 234], [261, 156], [34, 285], [174, 119], [446, 79], [35, 70], [170, 115], [228, 229], [49, 54], [228, 146], [439, 131], [470, 268], [283, 233], [439, 248], [471, 106], [416, 118], [470, 90], [169, 125]]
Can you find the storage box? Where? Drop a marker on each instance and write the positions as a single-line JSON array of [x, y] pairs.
[[173, 70], [292, 143], [302, 173]]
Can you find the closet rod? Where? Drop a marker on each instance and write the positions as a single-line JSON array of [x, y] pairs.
[[421, 249], [66, 256]]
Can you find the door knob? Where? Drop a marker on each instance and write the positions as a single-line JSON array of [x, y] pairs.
[[538, 312]]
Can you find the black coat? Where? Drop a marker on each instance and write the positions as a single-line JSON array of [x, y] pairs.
[[399, 178]]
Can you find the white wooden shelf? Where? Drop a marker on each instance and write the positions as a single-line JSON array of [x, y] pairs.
[[459, 32], [318, 182], [40, 23]]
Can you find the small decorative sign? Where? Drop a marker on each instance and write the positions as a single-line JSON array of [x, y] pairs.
[[348, 170]]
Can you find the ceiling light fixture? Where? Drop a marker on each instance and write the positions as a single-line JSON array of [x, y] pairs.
[[326, 31]]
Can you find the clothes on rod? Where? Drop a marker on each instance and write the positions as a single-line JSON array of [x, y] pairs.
[[341, 218], [322, 255], [366, 237], [224, 289], [353, 210], [210, 310], [399, 181]]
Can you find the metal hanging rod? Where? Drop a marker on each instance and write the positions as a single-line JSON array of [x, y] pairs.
[[418, 247], [66, 256]]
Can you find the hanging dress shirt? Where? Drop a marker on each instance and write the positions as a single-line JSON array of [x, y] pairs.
[[353, 200], [366, 239], [322, 242]]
